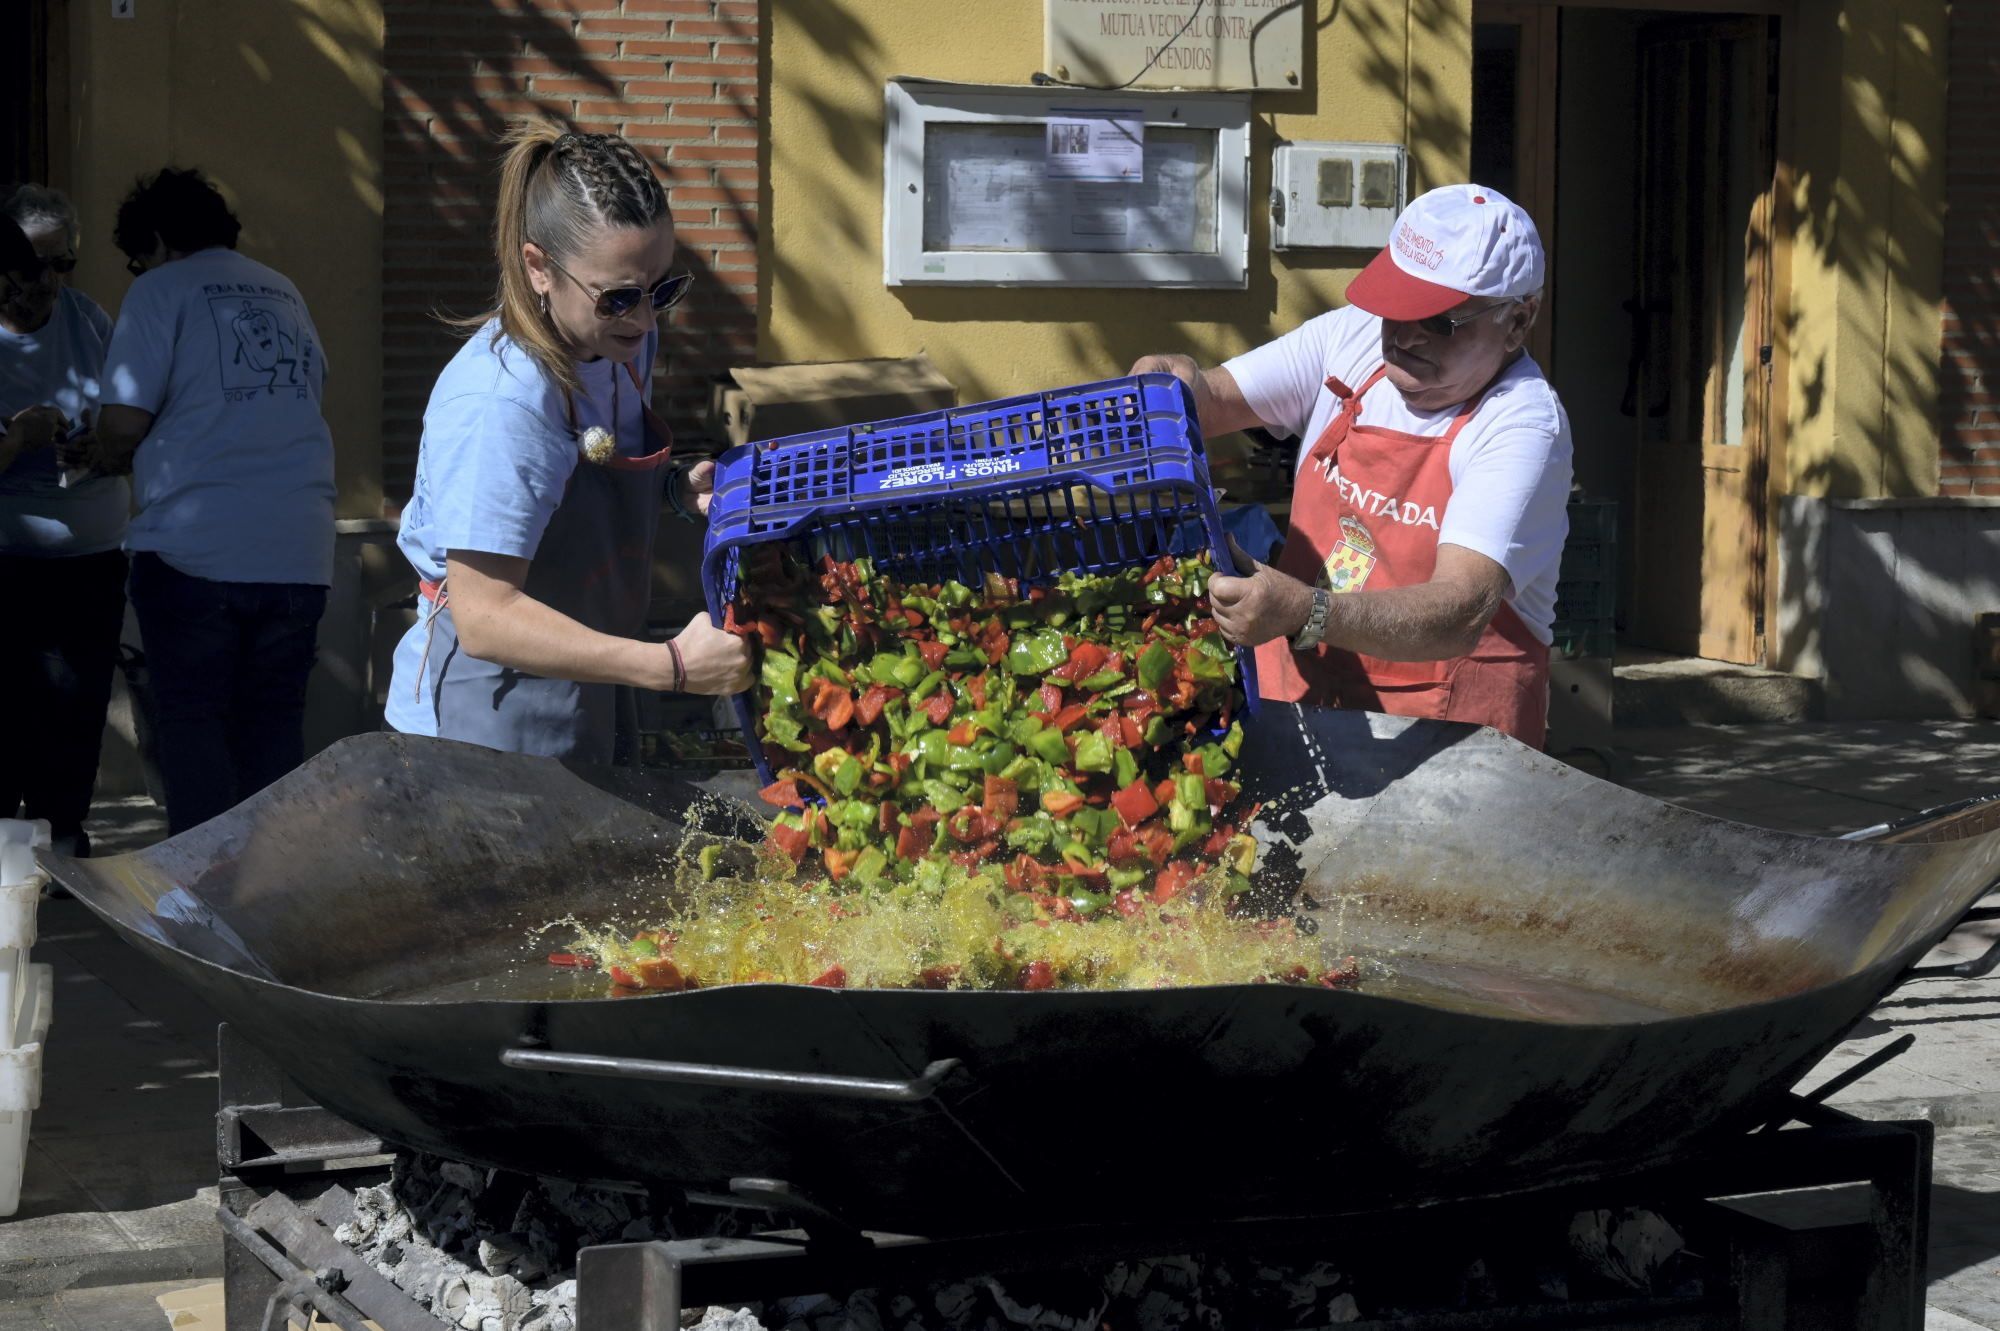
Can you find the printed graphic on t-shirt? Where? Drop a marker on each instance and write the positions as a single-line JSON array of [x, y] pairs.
[[1352, 558], [265, 348]]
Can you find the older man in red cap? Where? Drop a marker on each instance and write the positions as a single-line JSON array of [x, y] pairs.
[[1428, 514]]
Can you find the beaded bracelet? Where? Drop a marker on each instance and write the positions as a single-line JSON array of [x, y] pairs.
[[680, 667]]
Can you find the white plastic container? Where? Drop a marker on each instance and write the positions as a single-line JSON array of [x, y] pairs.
[[26, 993]]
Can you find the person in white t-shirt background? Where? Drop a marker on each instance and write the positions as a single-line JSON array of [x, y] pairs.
[[60, 562], [211, 399], [1429, 508]]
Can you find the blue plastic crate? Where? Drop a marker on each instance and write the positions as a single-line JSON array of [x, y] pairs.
[[1087, 479]]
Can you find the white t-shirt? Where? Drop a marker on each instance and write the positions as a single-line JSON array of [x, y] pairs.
[[58, 365], [1510, 465], [234, 482]]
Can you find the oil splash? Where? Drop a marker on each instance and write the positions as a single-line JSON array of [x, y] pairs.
[[951, 927]]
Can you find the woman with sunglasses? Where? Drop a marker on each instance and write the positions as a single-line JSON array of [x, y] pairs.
[[60, 557], [1433, 493], [543, 470]]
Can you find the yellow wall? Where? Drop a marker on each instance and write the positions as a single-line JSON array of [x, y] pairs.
[[280, 102], [1868, 116], [1378, 70]]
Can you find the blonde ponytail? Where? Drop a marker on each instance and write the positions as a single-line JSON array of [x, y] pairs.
[[556, 187]]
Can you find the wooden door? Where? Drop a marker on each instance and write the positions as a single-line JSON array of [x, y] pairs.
[[1700, 386], [1514, 126]]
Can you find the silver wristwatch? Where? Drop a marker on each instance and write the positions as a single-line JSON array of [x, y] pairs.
[[1315, 627]]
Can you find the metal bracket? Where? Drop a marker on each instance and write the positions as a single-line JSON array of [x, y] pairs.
[[258, 1136], [890, 1090]]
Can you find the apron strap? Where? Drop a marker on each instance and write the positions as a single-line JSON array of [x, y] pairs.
[[650, 418], [658, 427], [1327, 447], [440, 599]]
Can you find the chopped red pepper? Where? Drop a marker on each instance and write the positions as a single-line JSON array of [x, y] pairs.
[[1173, 880], [1061, 803], [784, 794], [1038, 975], [1068, 716], [833, 977], [869, 709], [933, 654], [938, 706], [573, 960], [1135, 804], [793, 841], [660, 973], [1003, 797]]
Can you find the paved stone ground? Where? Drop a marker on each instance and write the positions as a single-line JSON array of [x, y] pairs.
[[120, 1178]]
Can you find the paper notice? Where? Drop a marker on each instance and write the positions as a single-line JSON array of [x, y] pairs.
[[1094, 145]]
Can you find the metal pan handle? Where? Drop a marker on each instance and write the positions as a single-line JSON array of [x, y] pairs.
[[915, 1089]]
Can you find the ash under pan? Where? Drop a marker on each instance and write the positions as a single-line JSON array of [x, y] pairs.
[[1568, 980]]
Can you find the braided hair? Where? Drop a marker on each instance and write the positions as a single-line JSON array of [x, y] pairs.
[[557, 187]]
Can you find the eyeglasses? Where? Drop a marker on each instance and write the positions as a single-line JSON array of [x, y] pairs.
[[1443, 325], [64, 264], [617, 302]]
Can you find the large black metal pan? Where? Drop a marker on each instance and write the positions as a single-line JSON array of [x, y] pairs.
[[1568, 979]]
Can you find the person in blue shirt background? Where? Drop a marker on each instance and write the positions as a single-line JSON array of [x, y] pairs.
[[211, 397], [60, 561], [543, 470]]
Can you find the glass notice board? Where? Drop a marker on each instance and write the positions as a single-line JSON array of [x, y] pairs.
[[969, 199]]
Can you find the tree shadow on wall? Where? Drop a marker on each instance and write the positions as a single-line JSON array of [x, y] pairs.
[[845, 184], [1879, 598], [456, 76]]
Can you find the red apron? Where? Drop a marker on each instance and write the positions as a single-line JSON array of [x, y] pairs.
[[1378, 529]]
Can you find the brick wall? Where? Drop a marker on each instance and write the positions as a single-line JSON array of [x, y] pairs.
[[1969, 409], [677, 77]]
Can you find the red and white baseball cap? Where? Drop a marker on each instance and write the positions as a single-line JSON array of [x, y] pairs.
[[1454, 243]]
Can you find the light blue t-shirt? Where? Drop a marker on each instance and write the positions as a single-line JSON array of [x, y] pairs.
[[496, 458], [58, 365], [234, 482]]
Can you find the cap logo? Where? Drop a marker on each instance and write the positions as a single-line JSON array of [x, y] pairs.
[[1418, 249]]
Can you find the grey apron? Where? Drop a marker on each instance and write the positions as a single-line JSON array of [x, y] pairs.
[[594, 564]]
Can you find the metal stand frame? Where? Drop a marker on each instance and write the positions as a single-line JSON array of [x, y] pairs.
[[280, 1256], [645, 1286]]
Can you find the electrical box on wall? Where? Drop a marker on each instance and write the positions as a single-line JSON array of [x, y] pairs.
[[1336, 196]]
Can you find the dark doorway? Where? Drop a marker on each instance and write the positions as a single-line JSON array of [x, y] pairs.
[[26, 51]]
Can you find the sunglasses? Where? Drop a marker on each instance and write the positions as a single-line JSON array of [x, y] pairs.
[[617, 302], [1443, 325]]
